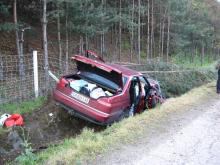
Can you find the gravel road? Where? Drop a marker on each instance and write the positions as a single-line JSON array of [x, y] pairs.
[[186, 137]]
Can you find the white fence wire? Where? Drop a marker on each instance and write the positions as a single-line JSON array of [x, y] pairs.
[[14, 88]]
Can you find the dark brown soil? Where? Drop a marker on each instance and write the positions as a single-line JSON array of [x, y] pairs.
[[43, 127]]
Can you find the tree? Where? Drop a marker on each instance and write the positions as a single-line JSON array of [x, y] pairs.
[[19, 42], [59, 35], [171, 27], [45, 45], [148, 29], [139, 31]]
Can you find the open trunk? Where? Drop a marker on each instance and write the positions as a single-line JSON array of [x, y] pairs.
[[94, 78], [99, 72], [88, 87]]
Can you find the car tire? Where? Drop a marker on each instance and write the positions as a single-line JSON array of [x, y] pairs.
[[153, 102]]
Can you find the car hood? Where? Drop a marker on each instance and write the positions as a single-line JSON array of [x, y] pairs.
[[99, 68]]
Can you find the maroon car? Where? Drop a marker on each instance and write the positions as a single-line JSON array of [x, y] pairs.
[[104, 93]]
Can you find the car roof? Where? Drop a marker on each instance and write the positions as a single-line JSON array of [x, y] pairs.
[[125, 71]]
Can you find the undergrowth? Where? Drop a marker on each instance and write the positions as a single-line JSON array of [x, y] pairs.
[[181, 80], [178, 83], [186, 61]]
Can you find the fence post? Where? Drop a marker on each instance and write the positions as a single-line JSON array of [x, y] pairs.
[[35, 69]]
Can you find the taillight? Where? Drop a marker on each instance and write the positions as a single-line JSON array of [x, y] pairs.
[[62, 83]]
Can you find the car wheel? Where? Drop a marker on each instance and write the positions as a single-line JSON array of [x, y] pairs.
[[153, 102]]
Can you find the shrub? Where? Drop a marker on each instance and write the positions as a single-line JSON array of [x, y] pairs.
[[176, 83]]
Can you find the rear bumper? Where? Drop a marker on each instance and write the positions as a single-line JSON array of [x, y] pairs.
[[83, 110]]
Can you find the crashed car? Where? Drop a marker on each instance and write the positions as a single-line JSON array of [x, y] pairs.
[[103, 93]]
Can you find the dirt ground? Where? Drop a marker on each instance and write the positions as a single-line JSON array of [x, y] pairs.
[[188, 137], [45, 126]]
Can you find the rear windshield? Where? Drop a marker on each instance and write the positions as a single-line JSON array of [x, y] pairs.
[[111, 80], [99, 80]]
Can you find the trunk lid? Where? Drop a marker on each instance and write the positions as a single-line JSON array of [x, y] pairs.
[[97, 70]]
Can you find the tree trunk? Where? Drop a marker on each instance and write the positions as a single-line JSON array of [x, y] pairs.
[[148, 29], [59, 38], [1, 68], [163, 36], [160, 35], [102, 33], [218, 52], [18, 42], [152, 28], [116, 43], [162, 40], [45, 44], [193, 52], [120, 29], [67, 40], [87, 42], [103, 44], [112, 34], [81, 47], [168, 38], [16, 25], [132, 32], [202, 54], [21, 59], [139, 31]]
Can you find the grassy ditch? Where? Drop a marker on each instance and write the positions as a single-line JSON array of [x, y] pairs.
[[89, 144]]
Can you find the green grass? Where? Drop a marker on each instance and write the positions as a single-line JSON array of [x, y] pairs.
[[2, 130], [24, 107], [89, 144]]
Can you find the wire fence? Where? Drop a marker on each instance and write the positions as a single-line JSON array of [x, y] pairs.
[[14, 88]]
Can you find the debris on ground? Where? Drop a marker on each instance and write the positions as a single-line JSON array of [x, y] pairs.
[[14, 120], [3, 118]]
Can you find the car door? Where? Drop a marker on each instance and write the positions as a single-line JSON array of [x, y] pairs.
[[145, 87], [136, 94]]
